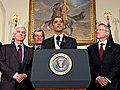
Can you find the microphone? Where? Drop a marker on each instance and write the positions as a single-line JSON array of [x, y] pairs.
[[62, 42]]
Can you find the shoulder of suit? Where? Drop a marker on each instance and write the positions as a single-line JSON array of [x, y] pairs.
[[27, 47], [114, 44], [93, 45], [7, 45], [32, 47], [48, 39], [70, 38]]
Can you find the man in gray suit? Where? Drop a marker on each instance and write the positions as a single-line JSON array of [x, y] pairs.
[[16, 63]]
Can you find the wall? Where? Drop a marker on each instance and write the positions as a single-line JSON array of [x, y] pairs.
[[21, 7], [7, 10], [112, 6]]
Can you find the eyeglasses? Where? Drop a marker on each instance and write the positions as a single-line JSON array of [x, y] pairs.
[[100, 30], [38, 36]]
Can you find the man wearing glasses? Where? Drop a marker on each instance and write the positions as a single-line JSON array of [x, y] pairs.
[[38, 37], [104, 59]]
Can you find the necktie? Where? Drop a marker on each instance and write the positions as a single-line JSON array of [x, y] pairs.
[[58, 40], [20, 53], [37, 48], [101, 51]]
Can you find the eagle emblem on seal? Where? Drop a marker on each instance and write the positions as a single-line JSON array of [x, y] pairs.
[[60, 64]]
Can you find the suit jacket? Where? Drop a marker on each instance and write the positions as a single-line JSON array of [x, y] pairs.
[[0, 44], [67, 43], [33, 47], [108, 67], [10, 64]]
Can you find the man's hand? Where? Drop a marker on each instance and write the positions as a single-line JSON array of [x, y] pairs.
[[20, 78], [102, 81]]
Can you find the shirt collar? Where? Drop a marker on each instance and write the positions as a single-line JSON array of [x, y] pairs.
[[16, 44], [61, 36], [37, 47], [105, 42]]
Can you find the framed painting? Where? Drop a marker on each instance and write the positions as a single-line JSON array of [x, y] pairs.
[[79, 21]]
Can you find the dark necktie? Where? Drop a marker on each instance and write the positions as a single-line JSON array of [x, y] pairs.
[[20, 53], [58, 40], [101, 51], [37, 48]]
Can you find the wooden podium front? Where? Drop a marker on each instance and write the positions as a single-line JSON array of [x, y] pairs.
[[60, 89]]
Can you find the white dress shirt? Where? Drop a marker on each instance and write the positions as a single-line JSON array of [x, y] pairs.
[[99, 44], [105, 42], [22, 46], [55, 41]]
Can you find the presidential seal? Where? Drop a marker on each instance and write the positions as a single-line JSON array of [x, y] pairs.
[[60, 64]]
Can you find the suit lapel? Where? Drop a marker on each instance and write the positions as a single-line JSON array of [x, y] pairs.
[[14, 51], [53, 43], [96, 49], [108, 45], [25, 55], [63, 42]]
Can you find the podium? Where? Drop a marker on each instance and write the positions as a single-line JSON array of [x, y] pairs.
[[43, 78]]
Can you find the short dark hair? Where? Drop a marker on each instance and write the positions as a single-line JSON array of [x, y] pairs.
[[39, 30], [57, 17]]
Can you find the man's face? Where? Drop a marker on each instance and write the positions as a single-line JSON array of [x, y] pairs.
[[38, 37], [58, 25], [19, 34], [64, 2], [101, 33]]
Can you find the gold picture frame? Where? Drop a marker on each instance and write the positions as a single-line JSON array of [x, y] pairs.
[[88, 41]]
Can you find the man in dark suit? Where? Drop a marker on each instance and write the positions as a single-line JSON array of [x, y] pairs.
[[38, 37], [59, 40], [104, 59], [16, 63]]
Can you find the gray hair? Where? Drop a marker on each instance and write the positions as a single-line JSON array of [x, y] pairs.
[[19, 26], [106, 27]]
